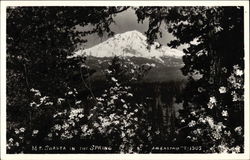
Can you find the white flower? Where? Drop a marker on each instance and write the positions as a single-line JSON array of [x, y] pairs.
[[224, 113], [76, 111], [210, 121], [105, 123], [219, 127], [223, 149], [50, 135], [84, 128], [96, 125], [33, 90], [210, 105], [239, 72], [90, 131], [222, 89], [123, 135], [70, 92], [71, 122], [66, 135], [192, 123], [113, 79], [100, 99], [237, 149], [109, 71], [60, 100], [212, 100], [224, 69], [110, 102], [33, 104], [130, 94], [193, 113], [111, 116], [125, 112], [22, 129], [218, 29], [200, 89], [198, 131], [116, 122], [202, 120], [42, 99], [227, 133], [236, 67], [78, 102], [80, 115], [38, 94], [49, 103], [238, 130], [232, 79], [104, 95], [35, 131], [11, 140], [65, 126], [114, 97], [125, 106], [17, 131], [57, 127], [17, 144], [91, 115], [157, 132]]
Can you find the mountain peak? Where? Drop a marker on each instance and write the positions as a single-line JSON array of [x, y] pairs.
[[129, 44]]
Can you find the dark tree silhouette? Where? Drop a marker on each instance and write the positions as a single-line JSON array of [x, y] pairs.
[[39, 39], [214, 62]]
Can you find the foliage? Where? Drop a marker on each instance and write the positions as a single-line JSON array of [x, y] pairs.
[[116, 119], [39, 39], [55, 103], [115, 116], [215, 54]]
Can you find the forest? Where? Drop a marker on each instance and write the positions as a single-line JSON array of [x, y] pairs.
[[55, 104]]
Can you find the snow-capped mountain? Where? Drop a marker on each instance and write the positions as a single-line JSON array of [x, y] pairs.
[[130, 44]]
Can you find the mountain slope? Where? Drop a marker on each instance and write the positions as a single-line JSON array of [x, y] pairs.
[[130, 44], [133, 46]]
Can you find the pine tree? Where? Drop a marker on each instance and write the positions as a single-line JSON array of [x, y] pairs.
[[213, 112], [39, 41]]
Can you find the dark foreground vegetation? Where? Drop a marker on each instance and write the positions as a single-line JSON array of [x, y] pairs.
[[51, 100]]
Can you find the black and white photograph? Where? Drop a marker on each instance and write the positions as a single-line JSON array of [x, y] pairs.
[[108, 79]]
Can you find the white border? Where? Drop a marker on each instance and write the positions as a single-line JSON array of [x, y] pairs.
[[5, 156]]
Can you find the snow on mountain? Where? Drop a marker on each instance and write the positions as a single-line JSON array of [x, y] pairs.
[[129, 44]]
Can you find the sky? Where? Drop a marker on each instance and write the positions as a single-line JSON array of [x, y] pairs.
[[127, 21]]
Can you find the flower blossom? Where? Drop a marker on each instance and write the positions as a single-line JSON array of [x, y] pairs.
[[222, 89], [192, 123], [35, 131], [22, 129], [224, 113], [212, 100], [239, 72], [114, 79], [238, 130]]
